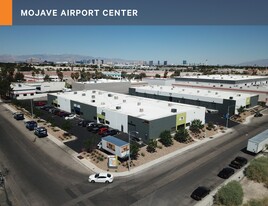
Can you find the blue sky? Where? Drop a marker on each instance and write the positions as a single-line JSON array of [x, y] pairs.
[[217, 44]]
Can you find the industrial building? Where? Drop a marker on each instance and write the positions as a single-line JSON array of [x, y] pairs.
[[22, 91], [110, 85], [235, 83], [149, 117], [214, 101]]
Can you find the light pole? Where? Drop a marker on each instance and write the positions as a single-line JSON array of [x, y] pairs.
[[227, 115], [129, 159]]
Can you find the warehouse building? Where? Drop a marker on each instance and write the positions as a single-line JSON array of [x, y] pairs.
[[110, 85], [235, 83], [214, 101], [128, 113]]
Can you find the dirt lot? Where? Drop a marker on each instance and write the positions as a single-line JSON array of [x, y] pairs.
[[253, 190]]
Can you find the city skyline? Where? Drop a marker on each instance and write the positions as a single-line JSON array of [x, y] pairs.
[[195, 44]]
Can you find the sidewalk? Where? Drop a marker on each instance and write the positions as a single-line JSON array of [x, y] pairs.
[[134, 170]]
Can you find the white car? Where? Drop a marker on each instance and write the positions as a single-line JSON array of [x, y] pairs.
[[71, 116], [101, 177]]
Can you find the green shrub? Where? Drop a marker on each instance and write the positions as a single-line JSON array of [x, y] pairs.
[[258, 170], [254, 202], [166, 139], [230, 194], [182, 135], [151, 147]]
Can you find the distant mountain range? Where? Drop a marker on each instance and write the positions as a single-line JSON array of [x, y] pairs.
[[57, 58], [261, 62]]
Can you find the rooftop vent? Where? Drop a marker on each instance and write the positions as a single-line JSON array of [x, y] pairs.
[[83, 94], [173, 110], [141, 110], [124, 100], [75, 92], [100, 93], [197, 91], [93, 91], [110, 95], [216, 93], [239, 95], [230, 97], [138, 103], [118, 107], [115, 97], [93, 96], [102, 103], [93, 100], [169, 104]]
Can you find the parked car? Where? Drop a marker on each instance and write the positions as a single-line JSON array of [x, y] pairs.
[[98, 127], [258, 114], [238, 162], [92, 125], [63, 114], [101, 177], [199, 193], [47, 107], [225, 173], [40, 131], [39, 104], [71, 116], [18, 116], [102, 130], [31, 125], [110, 132], [84, 123]]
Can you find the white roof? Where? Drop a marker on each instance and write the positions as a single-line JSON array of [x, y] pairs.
[[140, 107], [188, 92], [225, 77]]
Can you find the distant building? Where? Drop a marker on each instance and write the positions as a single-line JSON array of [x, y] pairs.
[[151, 63], [158, 62], [218, 101], [165, 63], [184, 62], [102, 61]]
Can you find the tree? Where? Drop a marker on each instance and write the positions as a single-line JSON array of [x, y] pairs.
[[151, 145], [134, 150], [89, 145], [166, 139], [240, 110], [60, 75], [230, 194], [72, 75], [182, 135], [43, 72], [33, 73], [210, 126], [19, 77], [196, 125], [46, 78], [165, 74], [76, 75], [142, 75], [157, 76]]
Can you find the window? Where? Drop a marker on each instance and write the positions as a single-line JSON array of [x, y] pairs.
[[125, 148], [25, 95], [110, 146], [32, 94]]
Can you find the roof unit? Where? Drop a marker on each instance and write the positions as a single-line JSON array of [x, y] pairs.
[[141, 110], [93, 100], [138, 103], [115, 97], [102, 103], [92, 96], [93, 91], [118, 107], [83, 94], [124, 100], [169, 104], [75, 92], [230, 97], [173, 110], [110, 95]]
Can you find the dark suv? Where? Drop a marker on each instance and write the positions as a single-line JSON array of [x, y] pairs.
[[225, 173], [18, 116], [84, 123], [40, 131], [199, 193], [238, 162], [31, 125]]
